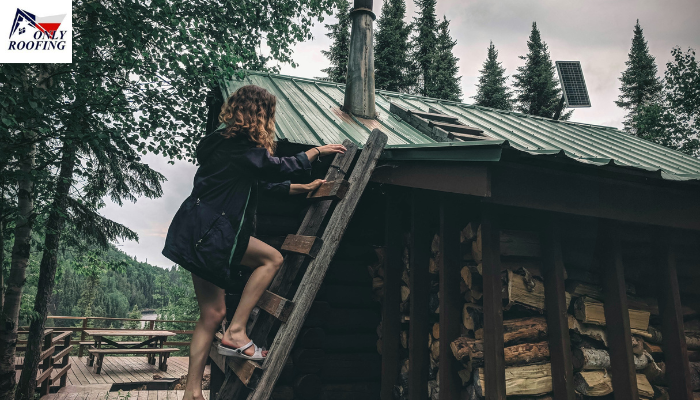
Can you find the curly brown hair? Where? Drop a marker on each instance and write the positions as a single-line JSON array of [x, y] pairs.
[[250, 111]]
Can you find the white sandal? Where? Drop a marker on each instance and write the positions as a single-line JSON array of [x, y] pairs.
[[238, 352]]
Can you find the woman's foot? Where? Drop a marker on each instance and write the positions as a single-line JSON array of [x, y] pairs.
[[192, 396], [238, 338]]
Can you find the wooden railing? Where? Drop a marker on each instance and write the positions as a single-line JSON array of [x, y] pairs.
[[150, 324]]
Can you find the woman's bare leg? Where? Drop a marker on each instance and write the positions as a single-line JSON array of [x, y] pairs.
[[265, 261], [212, 310]]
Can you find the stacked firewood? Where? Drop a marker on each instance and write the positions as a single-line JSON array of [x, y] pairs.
[[528, 372]]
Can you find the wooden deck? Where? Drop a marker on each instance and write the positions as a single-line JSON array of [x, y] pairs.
[[130, 395], [83, 384]]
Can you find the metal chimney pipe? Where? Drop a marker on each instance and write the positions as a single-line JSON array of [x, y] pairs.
[[359, 89]]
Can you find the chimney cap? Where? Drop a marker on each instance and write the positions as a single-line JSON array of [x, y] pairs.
[[363, 4]]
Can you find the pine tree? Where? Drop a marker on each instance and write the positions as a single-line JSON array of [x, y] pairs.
[[492, 90], [424, 43], [445, 82], [536, 87], [340, 48], [640, 85], [394, 69]]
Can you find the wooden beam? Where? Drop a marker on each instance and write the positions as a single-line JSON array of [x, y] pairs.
[[450, 296], [216, 380], [472, 180], [624, 378], [555, 303], [494, 366], [419, 280], [674, 345], [456, 128], [391, 325]]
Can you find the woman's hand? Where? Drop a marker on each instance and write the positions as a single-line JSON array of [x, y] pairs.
[[331, 149], [298, 188], [316, 152]]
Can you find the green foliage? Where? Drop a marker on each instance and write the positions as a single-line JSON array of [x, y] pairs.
[[491, 90], [340, 48], [394, 69], [444, 80], [536, 86], [425, 42], [674, 120], [641, 86]]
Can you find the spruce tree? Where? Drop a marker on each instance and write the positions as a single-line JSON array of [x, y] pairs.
[[340, 48], [492, 91], [640, 85], [536, 86], [392, 63], [424, 42], [445, 82]]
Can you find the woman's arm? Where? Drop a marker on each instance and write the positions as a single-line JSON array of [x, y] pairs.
[[324, 150], [298, 188]]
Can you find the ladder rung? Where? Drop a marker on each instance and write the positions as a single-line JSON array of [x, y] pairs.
[[333, 190], [307, 245], [244, 369], [276, 305]]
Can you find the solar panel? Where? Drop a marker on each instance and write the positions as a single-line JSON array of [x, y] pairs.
[[571, 78]]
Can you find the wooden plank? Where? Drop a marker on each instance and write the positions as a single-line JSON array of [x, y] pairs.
[[458, 128], [624, 377], [60, 337], [434, 116], [299, 244], [260, 324], [311, 282], [450, 296], [44, 375], [47, 353], [466, 137], [62, 372], [419, 284], [673, 335], [494, 367], [555, 304], [59, 355], [133, 351], [276, 306], [330, 190], [391, 325]]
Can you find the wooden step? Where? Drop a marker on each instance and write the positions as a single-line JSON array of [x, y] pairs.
[[276, 305], [299, 244], [330, 190]]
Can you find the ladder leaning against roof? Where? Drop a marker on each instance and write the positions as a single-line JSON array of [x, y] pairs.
[[305, 248]]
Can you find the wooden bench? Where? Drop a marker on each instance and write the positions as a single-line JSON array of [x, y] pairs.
[[163, 355]]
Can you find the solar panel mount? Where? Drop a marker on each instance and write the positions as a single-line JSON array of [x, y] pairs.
[[573, 84]]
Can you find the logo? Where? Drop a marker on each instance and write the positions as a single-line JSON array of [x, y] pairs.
[[34, 38]]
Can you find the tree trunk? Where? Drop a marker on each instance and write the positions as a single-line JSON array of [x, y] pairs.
[[18, 266], [47, 274]]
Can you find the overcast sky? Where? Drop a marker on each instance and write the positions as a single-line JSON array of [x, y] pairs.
[[597, 33]]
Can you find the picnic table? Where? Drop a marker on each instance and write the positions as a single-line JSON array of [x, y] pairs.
[[151, 346]]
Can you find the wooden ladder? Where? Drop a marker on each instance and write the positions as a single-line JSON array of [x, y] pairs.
[[305, 248]]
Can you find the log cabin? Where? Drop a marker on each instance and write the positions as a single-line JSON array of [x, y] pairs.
[[490, 251]]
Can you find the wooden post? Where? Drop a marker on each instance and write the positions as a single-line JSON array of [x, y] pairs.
[[555, 303], [419, 279], [450, 297], [216, 380], [494, 358], [82, 338], [391, 325], [65, 361], [624, 378], [675, 348], [47, 363]]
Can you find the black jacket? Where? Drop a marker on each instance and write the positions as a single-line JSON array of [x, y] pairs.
[[203, 235]]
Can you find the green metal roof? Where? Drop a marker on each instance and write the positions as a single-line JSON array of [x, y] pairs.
[[308, 112]]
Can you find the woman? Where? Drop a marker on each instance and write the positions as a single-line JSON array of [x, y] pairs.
[[210, 234]]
